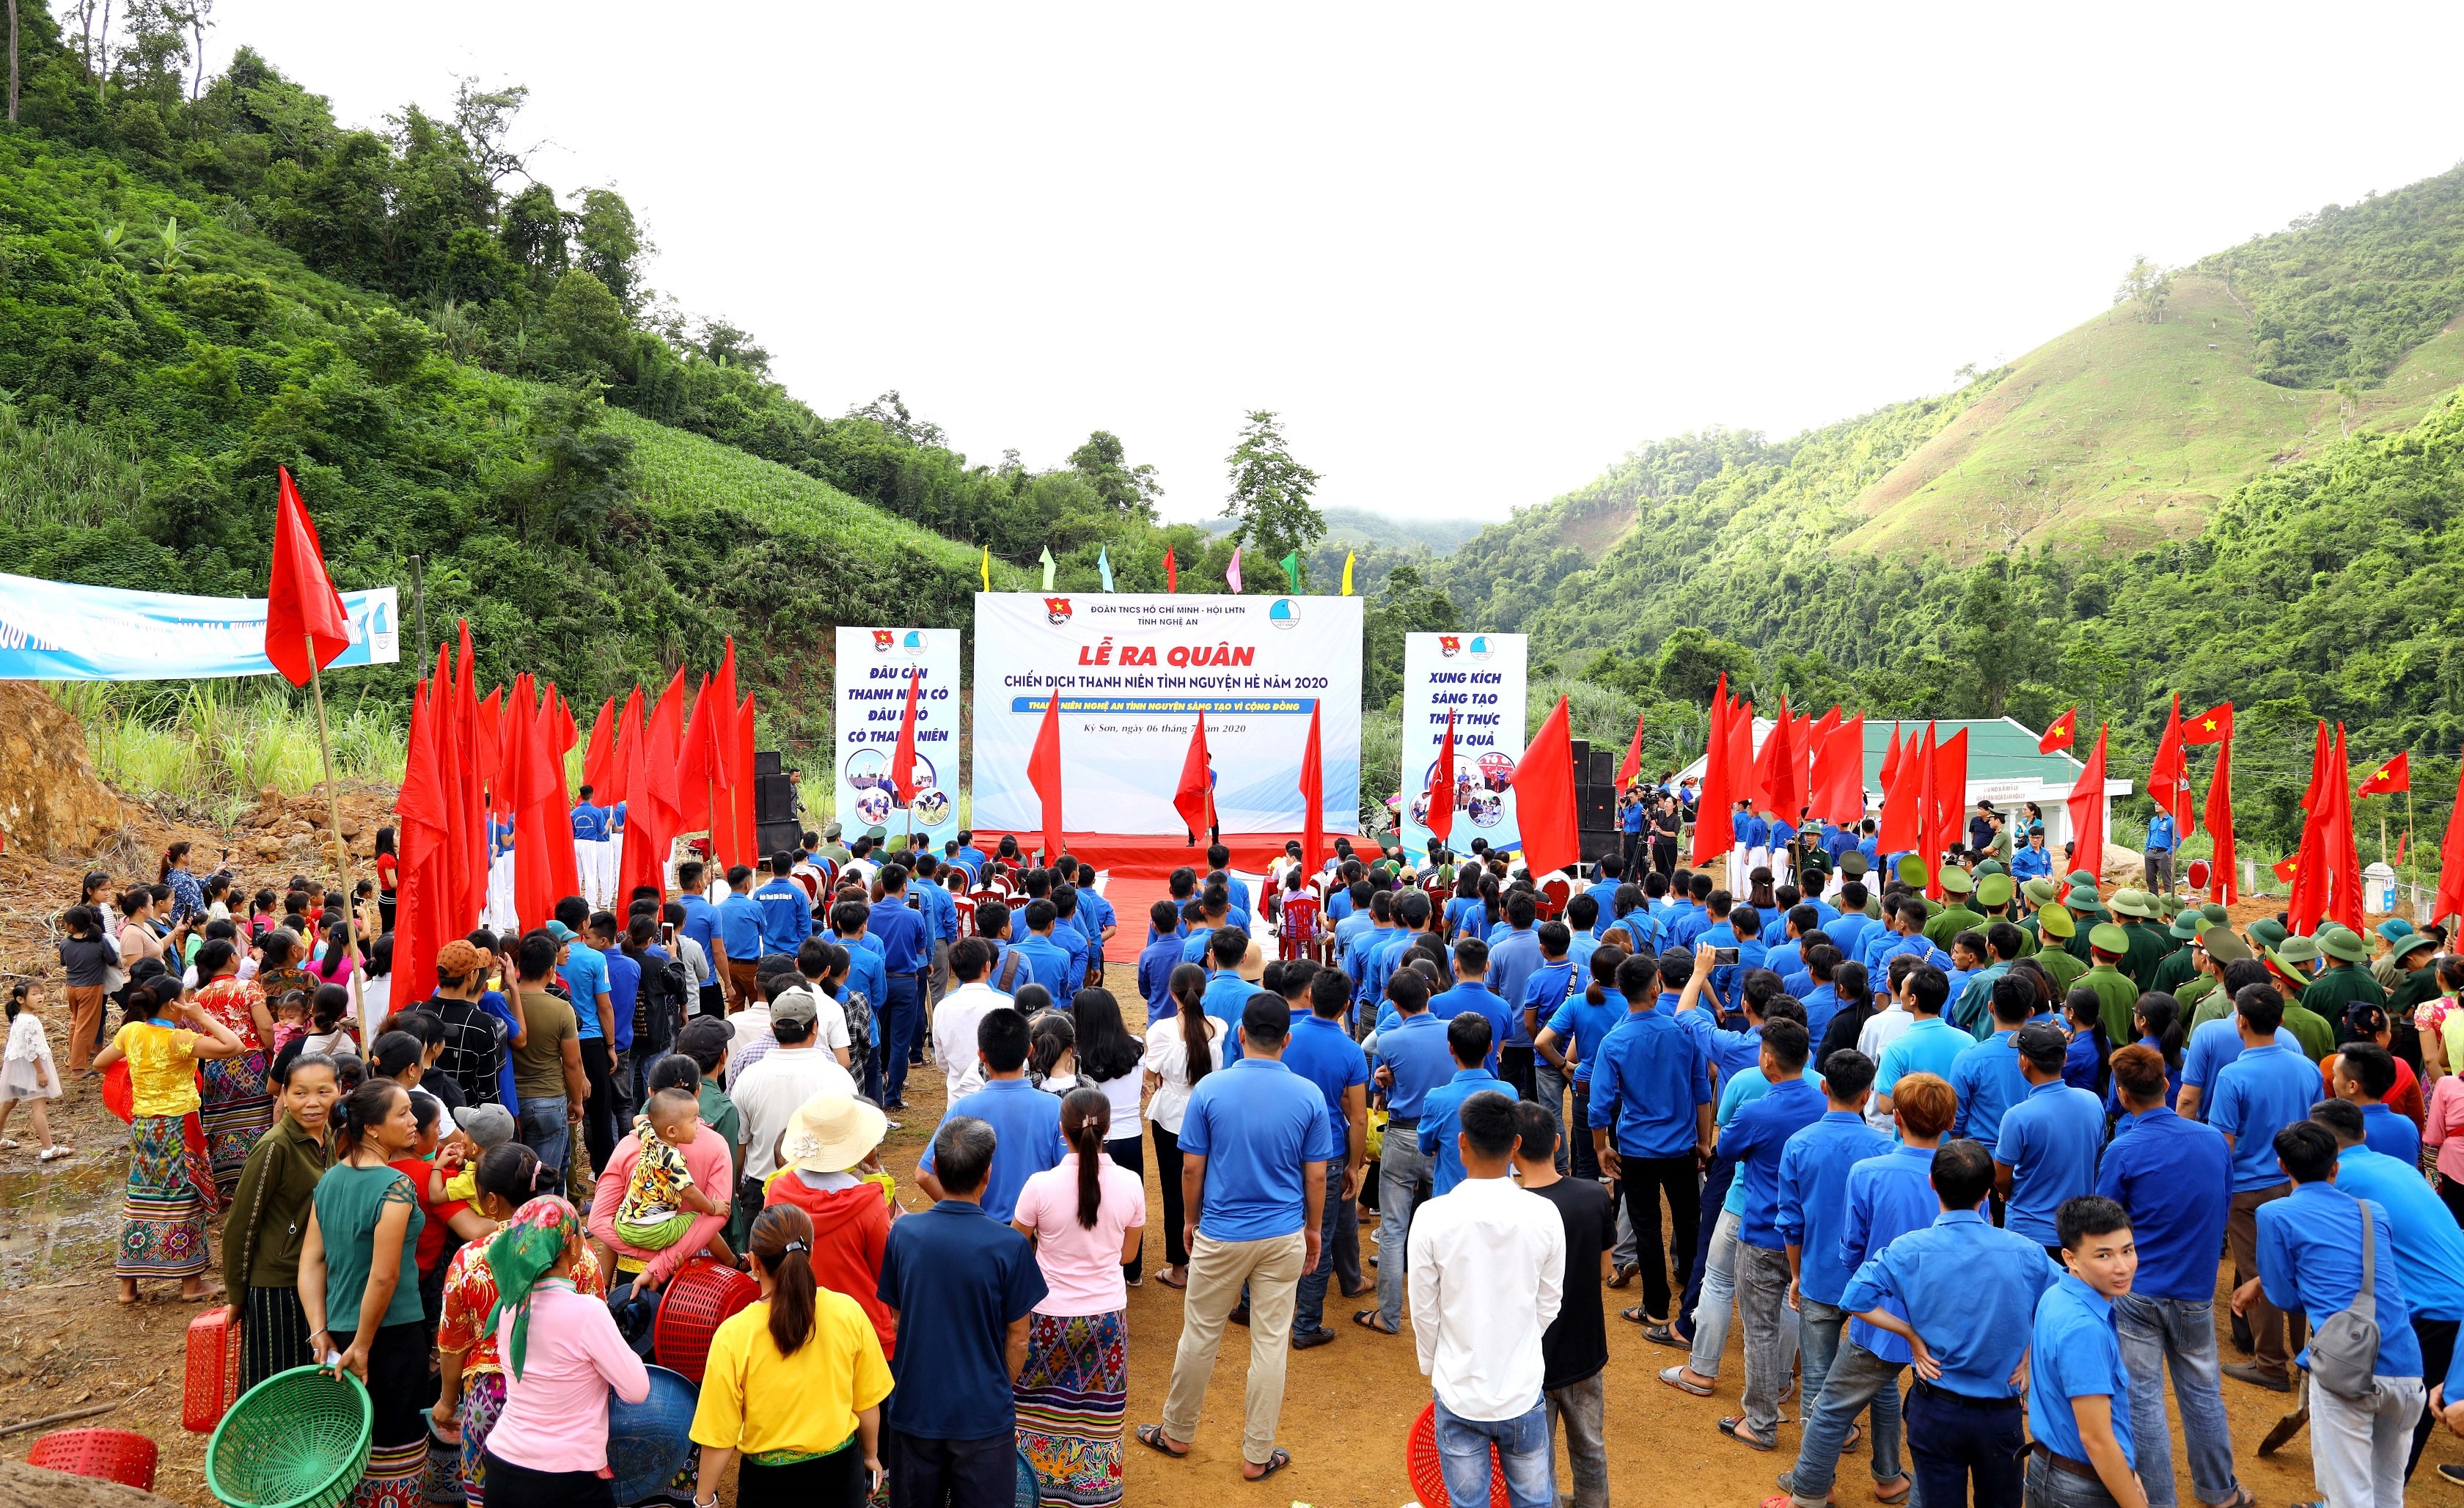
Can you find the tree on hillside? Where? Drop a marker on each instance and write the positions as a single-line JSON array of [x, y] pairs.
[[2148, 287], [1270, 495], [1102, 460], [1691, 662], [612, 246], [484, 117]]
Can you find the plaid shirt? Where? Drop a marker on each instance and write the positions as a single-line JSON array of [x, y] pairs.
[[472, 1053]]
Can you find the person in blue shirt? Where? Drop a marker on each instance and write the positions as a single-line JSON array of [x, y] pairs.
[[1582, 939], [2162, 838], [2266, 1088], [1684, 925], [739, 937], [1413, 1058], [1986, 1075], [1810, 1217], [1049, 963], [590, 835], [1026, 1119], [1815, 988], [1512, 959], [2173, 1179], [1415, 915], [867, 978], [1642, 929], [1930, 1046], [2033, 861], [1219, 861], [1070, 936], [972, 857], [1968, 1293], [939, 908], [1097, 919], [1604, 890], [1470, 993], [1359, 918], [1570, 1041], [1215, 911], [1320, 1051], [2364, 1075], [899, 1014], [2050, 1141], [2082, 1393], [1227, 993], [701, 924], [1256, 1143], [786, 912], [2309, 1261], [1758, 1139], [1550, 986], [2214, 1043], [1847, 932], [1633, 817], [1158, 960], [1798, 921], [1467, 1042], [1651, 1128]]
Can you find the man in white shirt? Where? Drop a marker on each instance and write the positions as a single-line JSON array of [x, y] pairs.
[[829, 1017], [1883, 1029], [956, 1018], [768, 1093], [1489, 1264]]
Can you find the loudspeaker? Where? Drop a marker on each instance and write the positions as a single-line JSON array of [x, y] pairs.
[[1604, 766], [777, 837], [765, 761], [1595, 808], [1597, 843], [774, 799], [1582, 755]]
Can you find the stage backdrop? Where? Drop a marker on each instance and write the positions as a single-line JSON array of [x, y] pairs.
[[1133, 672], [57, 631], [1478, 677], [873, 668]]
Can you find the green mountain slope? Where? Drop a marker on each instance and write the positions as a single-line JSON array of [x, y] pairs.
[[1360, 529]]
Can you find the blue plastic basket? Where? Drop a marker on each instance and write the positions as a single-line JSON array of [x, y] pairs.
[[649, 1442], [1028, 1495]]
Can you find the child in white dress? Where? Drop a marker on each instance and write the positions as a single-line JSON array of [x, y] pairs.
[[27, 1071]]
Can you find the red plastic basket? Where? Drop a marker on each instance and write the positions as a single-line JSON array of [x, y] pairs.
[[1429, 1477], [114, 1456], [212, 1382], [697, 1302]]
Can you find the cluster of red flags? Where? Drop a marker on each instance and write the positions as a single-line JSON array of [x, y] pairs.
[[1924, 794], [1806, 764]]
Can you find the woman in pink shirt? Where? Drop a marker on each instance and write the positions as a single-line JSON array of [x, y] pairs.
[[2444, 1132], [1086, 1218], [707, 1159], [561, 1354]]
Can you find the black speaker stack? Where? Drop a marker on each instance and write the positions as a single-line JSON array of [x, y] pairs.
[[776, 825], [1595, 813]]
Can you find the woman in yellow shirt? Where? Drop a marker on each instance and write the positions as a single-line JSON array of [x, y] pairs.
[[794, 1383], [162, 1224]]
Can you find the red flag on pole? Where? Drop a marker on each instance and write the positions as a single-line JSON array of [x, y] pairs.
[[2086, 807], [1926, 782], [2169, 777], [1631, 764], [1312, 796], [1171, 572], [902, 760], [2449, 899], [2064, 732], [2310, 865], [1439, 798], [423, 917], [476, 757], [2223, 881], [1891, 761], [654, 818], [1544, 796], [304, 612], [1949, 799], [601, 750], [1904, 807], [1715, 830], [748, 844], [452, 847], [2395, 775], [1044, 772], [2344, 881], [2212, 726], [553, 740], [624, 768], [1193, 798], [1839, 773], [1741, 761], [532, 789]]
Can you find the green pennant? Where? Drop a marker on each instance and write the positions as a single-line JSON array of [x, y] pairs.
[[1291, 564], [1047, 568]]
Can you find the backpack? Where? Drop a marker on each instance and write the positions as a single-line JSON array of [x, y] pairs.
[[2344, 1347]]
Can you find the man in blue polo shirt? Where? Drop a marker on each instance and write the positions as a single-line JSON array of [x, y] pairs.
[[1320, 1051], [1758, 1139], [2266, 1088], [1413, 1058], [2173, 1179], [1027, 1118], [2050, 1139], [2363, 1074], [964, 1288], [903, 959], [739, 935], [1687, 923], [1651, 1128], [1512, 959], [1970, 1295], [1470, 993], [1158, 960], [1255, 1142], [1931, 1046], [1603, 891], [786, 911], [1049, 963], [1986, 1075], [1811, 1218], [1467, 1040], [2080, 1404], [2309, 1260]]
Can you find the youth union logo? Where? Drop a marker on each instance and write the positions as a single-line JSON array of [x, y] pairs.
[[1285, 613], [1056, 609], [1449, 645], [883, 640]]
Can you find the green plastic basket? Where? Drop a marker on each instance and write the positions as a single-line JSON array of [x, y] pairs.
[[299, 1439]]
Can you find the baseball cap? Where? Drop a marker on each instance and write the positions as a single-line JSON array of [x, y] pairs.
[[491, 1126]]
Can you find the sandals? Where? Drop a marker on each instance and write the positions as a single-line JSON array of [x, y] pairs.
[[1666, 1334], [52, 1154], [1675, 1377], [1909, 1483], [1623, 1275], [8, 1143], [1152, 1436], [1371, 1319], [1734, 1427], [1164, 1277], [1276, 1460]]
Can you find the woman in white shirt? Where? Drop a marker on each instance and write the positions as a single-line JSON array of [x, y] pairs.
[[1174, 1064], [1111, 1060]]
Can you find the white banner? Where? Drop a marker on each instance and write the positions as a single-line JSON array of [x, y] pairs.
[[1132, 673], [57, 631], [874, 666], [1480, 679]]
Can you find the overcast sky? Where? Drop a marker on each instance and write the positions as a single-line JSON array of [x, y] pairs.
[[1470, 255]]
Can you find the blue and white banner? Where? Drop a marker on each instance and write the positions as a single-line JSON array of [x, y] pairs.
[[55, 630]]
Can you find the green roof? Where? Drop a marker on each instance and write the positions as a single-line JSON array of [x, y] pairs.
[[1997, 749]]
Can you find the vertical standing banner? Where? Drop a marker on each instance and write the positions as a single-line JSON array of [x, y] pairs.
[[1480, 677], [1134, 671], [873, 669]]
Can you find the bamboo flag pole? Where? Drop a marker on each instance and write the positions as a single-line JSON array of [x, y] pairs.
[[334, 809]]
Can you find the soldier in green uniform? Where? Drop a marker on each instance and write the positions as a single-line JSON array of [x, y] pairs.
[[2087, 912], [2179, 967], [2034, 896], [2056, 957], [2416, 982], [2290, 962], [1955, 916], [2135, 911], [1998, 897], [2107, 945], [2346, 980], [832, 849], [1851, 866], [2204, 996], [2081, 880]]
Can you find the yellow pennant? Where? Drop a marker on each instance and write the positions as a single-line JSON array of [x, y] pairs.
[[1349, 557]]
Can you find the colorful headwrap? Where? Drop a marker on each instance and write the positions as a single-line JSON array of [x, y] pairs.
[[519, 1255]]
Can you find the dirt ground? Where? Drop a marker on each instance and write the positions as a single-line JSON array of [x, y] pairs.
[[64, 1345]]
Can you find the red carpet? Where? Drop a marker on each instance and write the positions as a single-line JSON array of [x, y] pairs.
[[1152, 857]]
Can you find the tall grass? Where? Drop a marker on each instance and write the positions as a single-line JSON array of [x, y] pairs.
[[210, 747], [64, 473]]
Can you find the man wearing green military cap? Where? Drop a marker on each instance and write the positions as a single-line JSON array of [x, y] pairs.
[[2087, 912], [2416, 982], [1955, 916], [2134, 912], [2290, 962], [2205, 997], [1991, 866], [2108, 946], [2346, 982], [2181, 966], [1911, 872], [1997, 896], [2056, 957]]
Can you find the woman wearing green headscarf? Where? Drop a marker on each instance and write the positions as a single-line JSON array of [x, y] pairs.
[[562, 1353]]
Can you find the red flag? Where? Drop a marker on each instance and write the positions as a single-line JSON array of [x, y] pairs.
[[2223, 881], [1631, 764], [1927, 782], [453, 850], [601, 749], [1837, 791], [701, 758], [1950, 800], [552, 741], [1044, 772], [2212, 726], [2169, 777], [1904, 807], [1741, 761], [729, 754], [1440, 794], [902, 760], [748, 843], [652, 820], [2395, 775], [1544, 796], [1193, 798], [2287, 869], [1770, 783], [476, 757], [1312, 796], [2308, 867], [1891, 761], [531, 791], [1785, 791], [1171, 572], [305, 626], [2403, 841], [423, 918], [1715, 829], [2062, 733], [2086, 806], [2449, 899], [623, 767], [2345, 880]]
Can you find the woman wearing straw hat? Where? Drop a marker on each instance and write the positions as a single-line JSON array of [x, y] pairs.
[[829, 1137]]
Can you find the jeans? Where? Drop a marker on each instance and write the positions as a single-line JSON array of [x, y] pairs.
[[2182, 1332], [1645, 1180], [2357, 1450], [1551, 1083], [1770, 1333], [1715, 1197], [1842, 1377], [2437, 1338], [1712, 1311], [2051, 1488], [545, 1131], [902, 1010], [962, 1473], [1522, 1447], [1271, 1269], [1309, 1312], [1958, 1441], [1402, 1168], [1582, 1407]]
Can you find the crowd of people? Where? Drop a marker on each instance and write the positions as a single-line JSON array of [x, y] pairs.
[[1961, 1168]]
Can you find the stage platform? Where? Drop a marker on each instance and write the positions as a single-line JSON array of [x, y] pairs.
[[1144, 858]]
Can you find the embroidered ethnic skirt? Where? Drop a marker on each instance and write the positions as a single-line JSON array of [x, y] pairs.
[[1070, 1400]]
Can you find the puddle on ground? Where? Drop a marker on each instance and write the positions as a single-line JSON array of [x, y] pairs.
[[53, 1221]]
